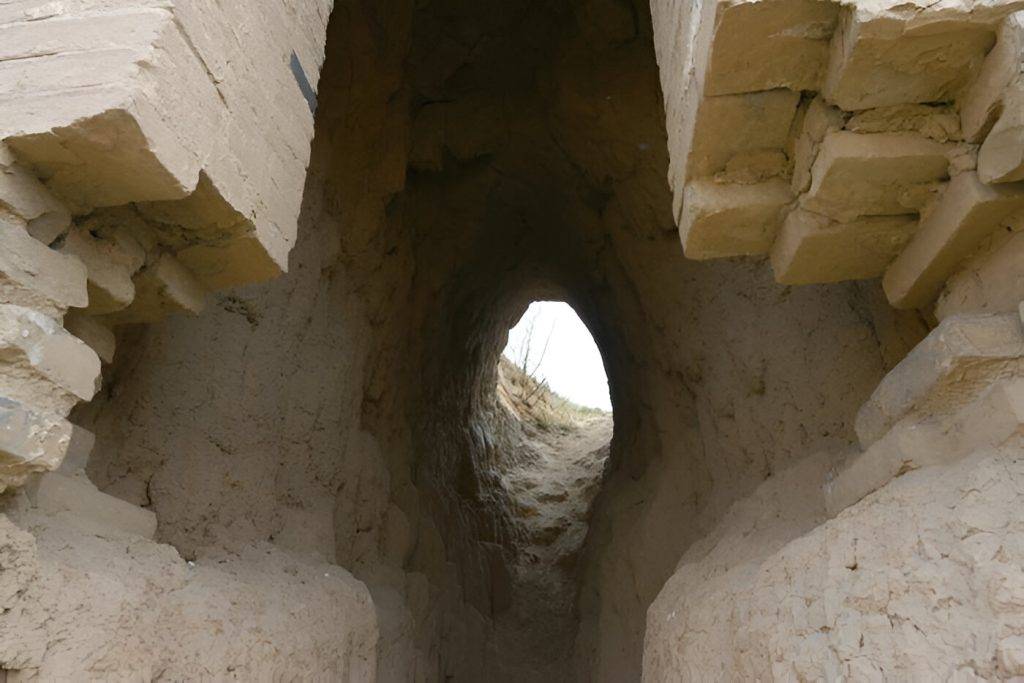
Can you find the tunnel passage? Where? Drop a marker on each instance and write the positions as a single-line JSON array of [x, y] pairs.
[[469, 158], [551, 473]]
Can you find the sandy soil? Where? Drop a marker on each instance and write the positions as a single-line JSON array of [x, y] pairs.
[[553, 491]]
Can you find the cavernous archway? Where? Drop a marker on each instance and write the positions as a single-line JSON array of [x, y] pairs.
[[335, 475], [471, 158]]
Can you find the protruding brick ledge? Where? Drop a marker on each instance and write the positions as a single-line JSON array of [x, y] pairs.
[[852, 107]]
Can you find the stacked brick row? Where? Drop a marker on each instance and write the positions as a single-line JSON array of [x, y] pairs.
[[150, 152], [44, 369], [852, 141]]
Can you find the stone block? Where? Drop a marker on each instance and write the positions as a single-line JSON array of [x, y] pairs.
[[98, 336], [733, 124], [127, 243], [732, 220], [883, 174], [950, 230], [271, 118], [990, 282], [79, 449], [260, 172], [706, 132], [819, 120], [994, 417], [45, 367], [219, 245], [24, 196], [33, 275], [880, 59], [958, 359], [109, 270], [991, 419], [812, 248], [30, 442], [112, 107], [982, 101], [79, 501], [764, 45], [116, 105], [682, 89], [939, 122], [238, 261], [48, 227], [1001, 157], [162, 288], [897, 452]]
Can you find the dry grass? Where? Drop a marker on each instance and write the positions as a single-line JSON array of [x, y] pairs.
[[534, 402]]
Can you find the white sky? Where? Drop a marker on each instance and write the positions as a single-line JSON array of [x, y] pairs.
[[572, 364]]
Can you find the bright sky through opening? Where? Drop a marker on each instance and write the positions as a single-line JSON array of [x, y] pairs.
[[571, 363]]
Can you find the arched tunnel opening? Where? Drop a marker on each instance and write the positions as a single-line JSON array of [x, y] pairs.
[[346, 471], [551, 345]]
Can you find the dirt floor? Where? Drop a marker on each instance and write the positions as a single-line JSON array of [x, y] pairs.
[[552, 486]]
